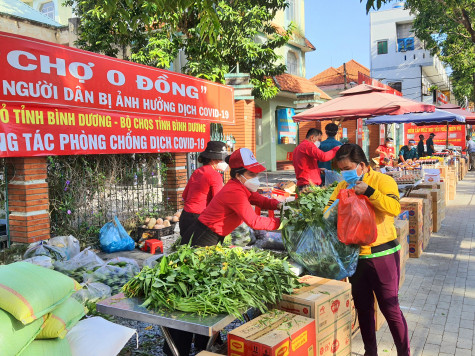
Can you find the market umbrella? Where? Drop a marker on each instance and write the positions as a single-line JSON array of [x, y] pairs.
[[363, 101], [455, 109], [433, 118], [427, 118]]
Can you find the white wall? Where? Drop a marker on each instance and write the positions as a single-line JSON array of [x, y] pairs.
[[407, 67]]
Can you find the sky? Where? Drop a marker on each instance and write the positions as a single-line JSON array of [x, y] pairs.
[[339, 29]]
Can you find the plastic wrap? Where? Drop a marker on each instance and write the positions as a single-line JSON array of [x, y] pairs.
[[319, 251]]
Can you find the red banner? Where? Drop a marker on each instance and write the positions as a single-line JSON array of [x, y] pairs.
[[457, 134], [49, 92]]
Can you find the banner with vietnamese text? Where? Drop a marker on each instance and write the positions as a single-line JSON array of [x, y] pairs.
[[57, 100], [457, 134]]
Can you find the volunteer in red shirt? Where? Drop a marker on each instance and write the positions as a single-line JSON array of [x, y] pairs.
[[204, 183], [306, 157], [233, 204], [386, 152]]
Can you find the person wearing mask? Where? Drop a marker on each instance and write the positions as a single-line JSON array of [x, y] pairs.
[[331, 130], [408, 152], [430, 145], [228, 209], [233, 204], [204, 183], [306, 157], [378, 270], [470, 148], [420, 146], [386, 152]]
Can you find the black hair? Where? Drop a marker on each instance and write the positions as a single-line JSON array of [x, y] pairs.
[[204, 160], [313, 132], [421, 136], [389, 139], [468, 137], [331, 129], [235, 171], [353, 152]]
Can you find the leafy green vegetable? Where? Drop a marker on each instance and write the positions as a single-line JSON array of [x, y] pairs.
[[213, 280], [311, 240]]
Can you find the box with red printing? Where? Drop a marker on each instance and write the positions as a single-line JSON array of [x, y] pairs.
[[276, 333], [325, 300]]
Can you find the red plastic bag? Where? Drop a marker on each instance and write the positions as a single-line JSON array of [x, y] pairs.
[[356, 220]]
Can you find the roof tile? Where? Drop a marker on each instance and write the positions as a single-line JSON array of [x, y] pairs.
[[334, 76], [296, 84]]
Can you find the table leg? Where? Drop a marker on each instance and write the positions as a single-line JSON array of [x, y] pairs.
[[169, 340], [211, 341]]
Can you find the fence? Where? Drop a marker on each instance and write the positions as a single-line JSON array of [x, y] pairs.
[[4, 237], [85, 192]]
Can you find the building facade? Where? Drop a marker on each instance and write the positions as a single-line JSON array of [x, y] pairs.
[[399, 59]]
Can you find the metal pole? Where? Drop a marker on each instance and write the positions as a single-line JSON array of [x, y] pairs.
[[169, 340]]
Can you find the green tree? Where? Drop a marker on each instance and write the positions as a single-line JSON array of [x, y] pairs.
[[153, 32], [447, 29]]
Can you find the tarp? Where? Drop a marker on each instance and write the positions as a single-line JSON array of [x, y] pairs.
[[436, 117]]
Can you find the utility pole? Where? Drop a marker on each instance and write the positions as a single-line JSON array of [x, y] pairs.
[[344, 75]]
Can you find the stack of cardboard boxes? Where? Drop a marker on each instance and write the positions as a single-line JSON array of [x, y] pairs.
[[328, 302], [416, 235], [402, 230], [426, 195], [274, 333], [451, 183], [438, 206]]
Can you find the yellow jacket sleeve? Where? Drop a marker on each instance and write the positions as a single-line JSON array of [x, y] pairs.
[[340, 186], [384, 195]]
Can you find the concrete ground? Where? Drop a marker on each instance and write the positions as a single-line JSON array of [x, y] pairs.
[[438, 296]]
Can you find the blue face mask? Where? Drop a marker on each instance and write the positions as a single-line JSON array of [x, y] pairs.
[[351, 176]]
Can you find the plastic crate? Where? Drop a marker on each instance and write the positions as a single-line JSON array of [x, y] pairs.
[[145, 234]]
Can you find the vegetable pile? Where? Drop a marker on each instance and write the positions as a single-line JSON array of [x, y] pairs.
[[213, 280], [311, 240]]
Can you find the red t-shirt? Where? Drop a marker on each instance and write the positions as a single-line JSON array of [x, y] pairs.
[[386, 149], [305, 160], [233, 205], [203, 185]]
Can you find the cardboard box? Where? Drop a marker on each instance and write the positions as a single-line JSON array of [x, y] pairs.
[[355, 325], [402, 229], [416, 248], [325, 300], [337, 342], [276, 333], [414, 207], [207, 353]]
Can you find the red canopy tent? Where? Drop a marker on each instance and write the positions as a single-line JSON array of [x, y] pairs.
[[455, 109], [363, 101]]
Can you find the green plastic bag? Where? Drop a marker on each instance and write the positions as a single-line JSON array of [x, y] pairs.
[[28, 291], [14, 336], [62, 319], [53, 347]]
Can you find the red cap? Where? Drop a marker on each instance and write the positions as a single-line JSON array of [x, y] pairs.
[[244, 157]]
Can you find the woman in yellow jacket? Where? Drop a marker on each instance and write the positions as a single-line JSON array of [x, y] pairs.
[[378, 265]]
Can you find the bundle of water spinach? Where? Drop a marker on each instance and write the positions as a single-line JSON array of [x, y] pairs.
[[213, 280]]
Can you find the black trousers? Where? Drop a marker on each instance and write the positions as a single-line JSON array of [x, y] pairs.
[[186, 221], [200, 235]]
